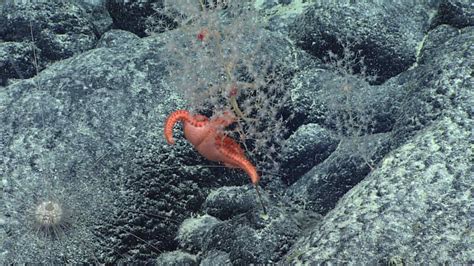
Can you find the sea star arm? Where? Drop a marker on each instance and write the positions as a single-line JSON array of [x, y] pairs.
[[173, 118], [233, 155], [194, 125]]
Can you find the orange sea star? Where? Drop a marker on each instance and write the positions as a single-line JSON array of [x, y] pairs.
[[208, 137]]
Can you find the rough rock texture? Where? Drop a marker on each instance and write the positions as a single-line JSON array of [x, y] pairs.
[[51, 31], [383, 34], [133, 15], [455, 13], [15, 61], [417, 205], [61, 29], [70, 131], [310, 145]]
